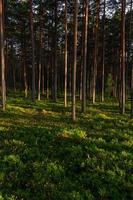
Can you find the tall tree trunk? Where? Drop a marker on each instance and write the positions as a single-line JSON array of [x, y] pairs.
[[55, 55], [132, 62], [33, 50], [40, 56], [65, 89], [103, 52], [3, 89], [75, 23], [84, 55], [122, 60], [94, 79]]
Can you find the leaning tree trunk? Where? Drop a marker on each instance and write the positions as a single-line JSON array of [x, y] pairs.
[[84, 55], [122, 60], [75, 23], [33, 50], [3, 88]]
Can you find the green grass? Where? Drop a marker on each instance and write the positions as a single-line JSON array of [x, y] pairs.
[[43, 155]]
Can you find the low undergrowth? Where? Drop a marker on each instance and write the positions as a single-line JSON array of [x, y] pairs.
[[43, 155]]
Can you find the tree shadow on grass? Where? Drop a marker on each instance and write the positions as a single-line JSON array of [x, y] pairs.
[[45, 156]]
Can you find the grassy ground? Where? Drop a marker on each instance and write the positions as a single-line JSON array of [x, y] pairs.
[[43, 156]]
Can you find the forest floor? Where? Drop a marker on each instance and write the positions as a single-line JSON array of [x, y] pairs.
[[44, 156]]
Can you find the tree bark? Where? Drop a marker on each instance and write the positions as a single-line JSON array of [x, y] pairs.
[[40, 56], [84, 55], [94, 79], [122, 60], [75, 23], [131, 62], [103, 52], [33, 50], [55, 54], [65, 89], [3, 89]]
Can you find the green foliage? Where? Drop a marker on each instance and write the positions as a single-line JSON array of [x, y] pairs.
[[44, 156]]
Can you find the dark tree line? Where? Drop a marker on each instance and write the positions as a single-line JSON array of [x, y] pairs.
[[69, 48]]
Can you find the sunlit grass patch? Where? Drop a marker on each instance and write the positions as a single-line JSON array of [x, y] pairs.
[[44, 155]]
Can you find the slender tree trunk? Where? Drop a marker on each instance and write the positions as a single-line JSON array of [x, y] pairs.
[[65, 89], [70, 74], [122, 60], [47, 92], [43, 79], [40, 57], [94, 79], [3, 89], [81, 81], [132, 92], [85, 55], [24, 67], [75, 23], [132, 62], [14, 76], [82, 58], [55, 55], [33, 50], [103, 53], [25, 80]]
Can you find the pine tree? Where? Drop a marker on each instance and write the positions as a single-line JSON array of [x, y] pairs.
[[3, 88], [75, 24]]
